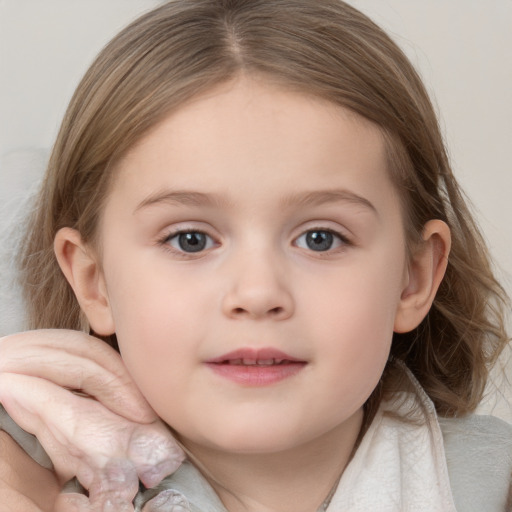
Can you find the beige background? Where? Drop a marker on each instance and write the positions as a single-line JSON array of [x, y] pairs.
[[463, 49]]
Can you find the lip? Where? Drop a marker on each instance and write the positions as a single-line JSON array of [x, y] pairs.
[[256, 367]]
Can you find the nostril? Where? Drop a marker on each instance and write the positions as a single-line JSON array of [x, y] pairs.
[[271, 312]]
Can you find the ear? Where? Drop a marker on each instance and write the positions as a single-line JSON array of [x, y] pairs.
[[425, 273], [83, 272]]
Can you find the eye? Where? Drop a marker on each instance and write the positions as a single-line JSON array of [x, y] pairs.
[[190, 241], [320, 240]]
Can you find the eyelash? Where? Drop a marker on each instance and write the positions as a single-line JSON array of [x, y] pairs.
[[165, 242], [343, 241]]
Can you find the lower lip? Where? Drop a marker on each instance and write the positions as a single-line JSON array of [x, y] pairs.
[[253, 375]]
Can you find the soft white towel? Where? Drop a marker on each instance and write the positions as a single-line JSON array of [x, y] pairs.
[[401, 463]]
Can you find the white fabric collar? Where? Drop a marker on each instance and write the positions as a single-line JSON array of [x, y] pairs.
[[400, 465]]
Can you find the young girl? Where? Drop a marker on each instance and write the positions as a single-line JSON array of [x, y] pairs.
[[252, 202]]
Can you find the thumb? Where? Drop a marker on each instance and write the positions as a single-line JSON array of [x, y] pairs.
[[154, 452]]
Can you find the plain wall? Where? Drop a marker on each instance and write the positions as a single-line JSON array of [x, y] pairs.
[[463, 49]]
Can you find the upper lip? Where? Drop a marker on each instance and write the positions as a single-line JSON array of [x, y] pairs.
[[254, 355]]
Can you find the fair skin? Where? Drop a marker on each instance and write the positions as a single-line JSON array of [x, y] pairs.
[[16, 480], [304, 253], [106, 431], [256, 170]]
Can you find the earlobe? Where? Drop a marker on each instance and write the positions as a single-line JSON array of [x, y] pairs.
[[83, 272], [427, 267]]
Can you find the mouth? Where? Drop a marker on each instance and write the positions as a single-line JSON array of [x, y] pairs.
[[256, 362], [256, 367]]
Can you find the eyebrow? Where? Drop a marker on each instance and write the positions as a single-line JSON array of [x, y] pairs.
[[180, 197], [320, 197], [314, 198]]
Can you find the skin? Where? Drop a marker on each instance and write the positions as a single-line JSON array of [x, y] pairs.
[[18, 472], [271, 166], [105, 432]]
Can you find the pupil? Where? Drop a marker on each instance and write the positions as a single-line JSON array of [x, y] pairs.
[[192, 242], [319, 240]]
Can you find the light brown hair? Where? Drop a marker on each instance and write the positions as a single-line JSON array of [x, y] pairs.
[[325, 48]]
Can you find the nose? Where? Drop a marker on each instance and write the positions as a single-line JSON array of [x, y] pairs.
[[257, 290]]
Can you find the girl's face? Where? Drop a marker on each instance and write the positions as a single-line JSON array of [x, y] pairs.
[[254, 262]]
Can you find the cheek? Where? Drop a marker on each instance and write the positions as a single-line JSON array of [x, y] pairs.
[[355, 320], [158, 324], [361, 299]]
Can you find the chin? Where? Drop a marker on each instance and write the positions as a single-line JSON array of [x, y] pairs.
[[247, 440]]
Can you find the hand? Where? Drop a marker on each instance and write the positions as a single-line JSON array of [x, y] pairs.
[[106, 435]]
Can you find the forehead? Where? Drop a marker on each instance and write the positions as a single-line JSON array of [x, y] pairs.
[[250, 135]]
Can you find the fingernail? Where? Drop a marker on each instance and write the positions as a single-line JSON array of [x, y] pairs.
[[169, 501]]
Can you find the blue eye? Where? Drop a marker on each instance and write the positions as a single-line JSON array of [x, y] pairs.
[[190, 241], [320, 240]]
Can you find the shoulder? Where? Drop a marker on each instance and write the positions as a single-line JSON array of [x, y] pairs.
[[484, 436], [479, 459]]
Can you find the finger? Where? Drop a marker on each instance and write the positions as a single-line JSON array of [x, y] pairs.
[[81, 503], [57, 418], [155, 453], [81, 437], [167, 501], [114, 489], [116, 482], [77, 361]]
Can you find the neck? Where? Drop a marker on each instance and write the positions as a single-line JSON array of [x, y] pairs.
[[295, 480]]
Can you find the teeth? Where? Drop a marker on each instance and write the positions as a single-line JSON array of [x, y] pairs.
[[255, 362], [266, 362]]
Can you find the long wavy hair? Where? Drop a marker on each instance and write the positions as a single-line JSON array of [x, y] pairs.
[[325, 48]]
